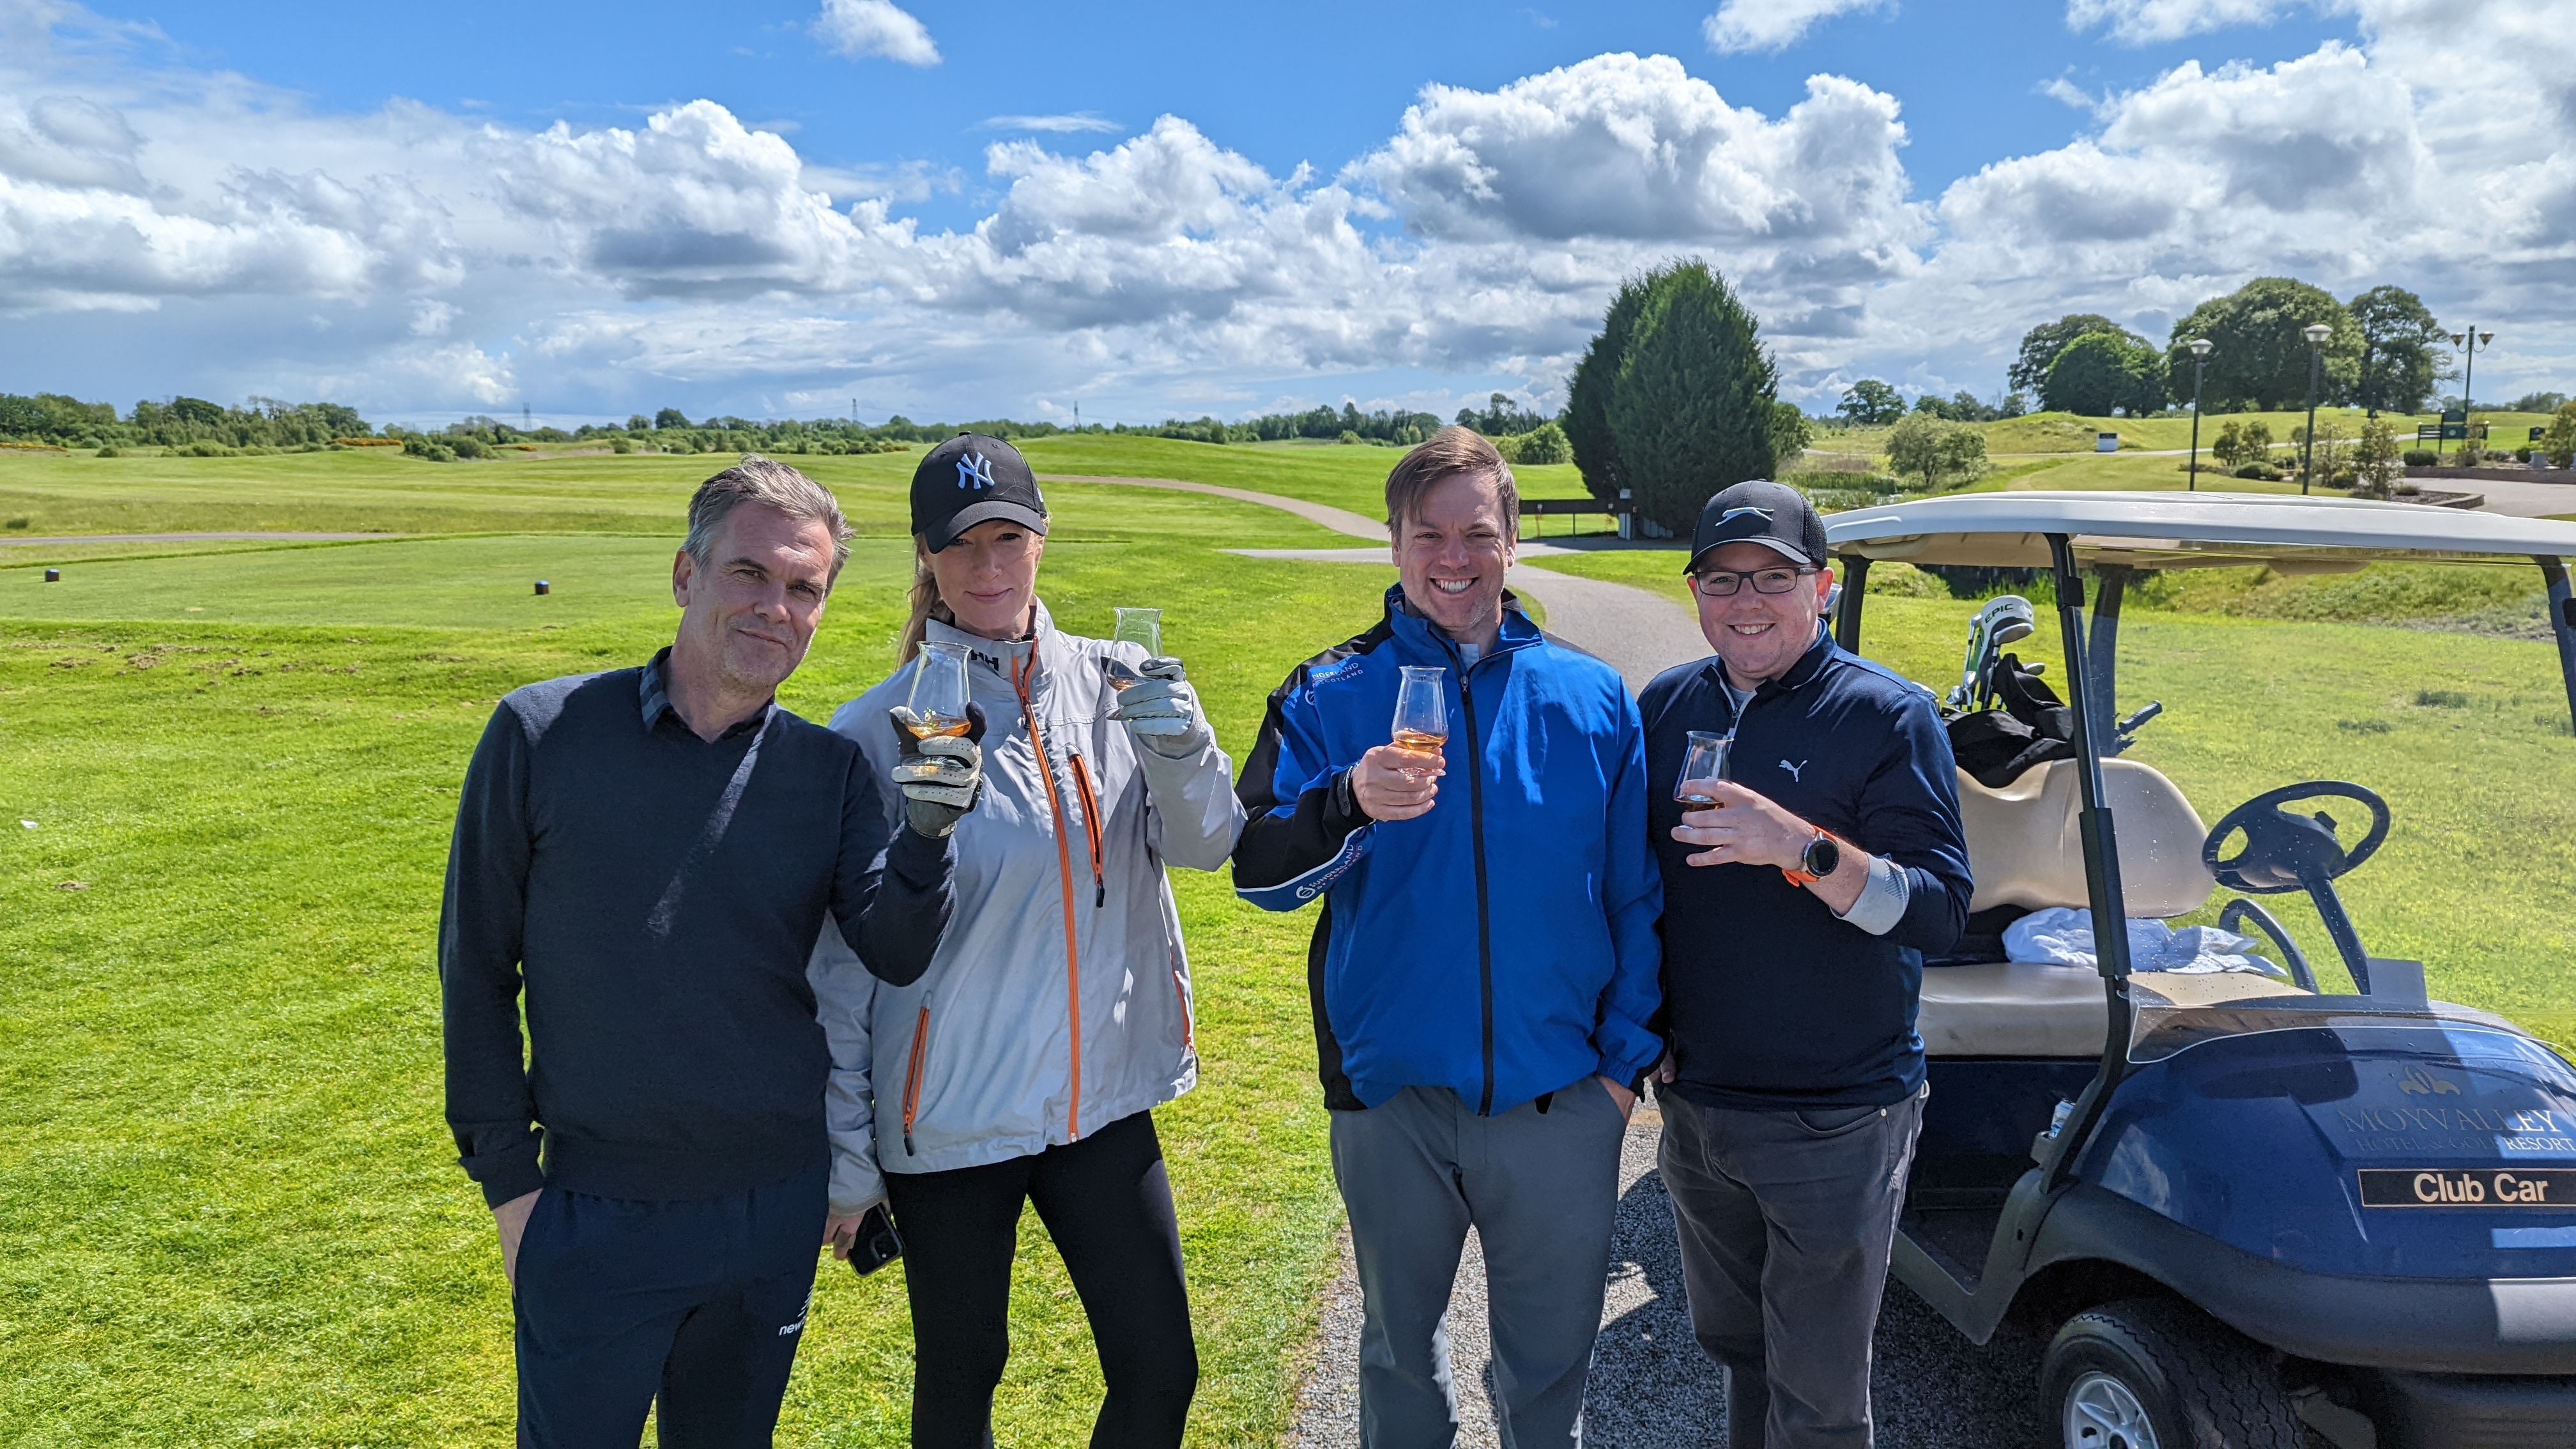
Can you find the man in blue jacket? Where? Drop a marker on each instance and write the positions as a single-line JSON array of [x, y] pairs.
[[1483, 968], [1797, 912]]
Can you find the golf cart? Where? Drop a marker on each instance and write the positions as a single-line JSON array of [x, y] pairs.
[[2258, 1208]]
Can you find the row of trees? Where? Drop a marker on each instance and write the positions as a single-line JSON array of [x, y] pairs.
[[2385, 352], [67, 422], [1677, 397], [265, 422], [1870, 403]]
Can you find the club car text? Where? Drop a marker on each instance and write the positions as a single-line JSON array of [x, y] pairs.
[[2484, 1187]]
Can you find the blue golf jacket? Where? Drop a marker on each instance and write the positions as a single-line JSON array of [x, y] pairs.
[[1502, 945]]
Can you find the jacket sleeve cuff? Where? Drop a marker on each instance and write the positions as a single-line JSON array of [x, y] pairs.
[[508, 1174], [1630, 1071], [1338, 827], [1880, 907]]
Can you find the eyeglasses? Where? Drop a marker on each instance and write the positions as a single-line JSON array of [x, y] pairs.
[[1721, 585]]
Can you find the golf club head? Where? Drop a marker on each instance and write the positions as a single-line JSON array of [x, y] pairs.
[[2004, 619]]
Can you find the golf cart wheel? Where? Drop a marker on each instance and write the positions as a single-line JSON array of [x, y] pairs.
[[2145, 1374]]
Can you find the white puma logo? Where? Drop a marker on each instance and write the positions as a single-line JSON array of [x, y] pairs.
[[1796, 771]]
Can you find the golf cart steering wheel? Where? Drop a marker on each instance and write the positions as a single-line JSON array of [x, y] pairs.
[[2285, 851]]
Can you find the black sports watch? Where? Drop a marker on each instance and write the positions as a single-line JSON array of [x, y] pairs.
[[1821, 857]]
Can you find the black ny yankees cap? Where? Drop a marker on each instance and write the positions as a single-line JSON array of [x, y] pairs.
[[968, 480]]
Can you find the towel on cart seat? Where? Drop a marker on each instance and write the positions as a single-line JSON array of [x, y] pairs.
[[2063, 936]]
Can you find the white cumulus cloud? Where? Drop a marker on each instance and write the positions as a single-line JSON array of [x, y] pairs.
[[2146, 22], [1742, 26], [198, 232], [861, 28]]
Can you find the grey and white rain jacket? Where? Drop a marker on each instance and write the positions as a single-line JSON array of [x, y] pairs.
[[1059, 1000]]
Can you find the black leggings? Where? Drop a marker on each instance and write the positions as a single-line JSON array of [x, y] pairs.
[[1108, 1205]]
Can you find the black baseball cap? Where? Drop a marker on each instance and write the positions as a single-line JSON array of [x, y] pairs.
[[1774, 515], [968, 480]]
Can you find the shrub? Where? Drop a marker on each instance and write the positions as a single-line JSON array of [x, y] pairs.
[[2262, 471], [21, 521], [109, 452], [1348, 438], [2228, 447], [620, 445], [2559, 443], [2422, 458], [1935, 451], [1904, 581], [202, 448], [1545, 443], [468, 446], [422, 446], [2374, 460]]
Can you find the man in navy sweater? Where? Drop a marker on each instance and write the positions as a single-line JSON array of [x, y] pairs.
[[1797, 912], [649, 854]]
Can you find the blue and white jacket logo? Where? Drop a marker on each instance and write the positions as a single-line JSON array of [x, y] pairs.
[[974, 471]]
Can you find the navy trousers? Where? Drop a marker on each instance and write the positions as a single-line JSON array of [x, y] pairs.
[[698, 1305]]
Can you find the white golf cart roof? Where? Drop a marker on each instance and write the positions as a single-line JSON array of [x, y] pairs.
[[2191, 530]]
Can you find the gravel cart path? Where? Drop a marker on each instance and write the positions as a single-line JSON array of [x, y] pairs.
[[1651, 1386]]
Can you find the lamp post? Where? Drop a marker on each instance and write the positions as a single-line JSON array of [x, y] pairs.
[[2199, 359], [2316, 333], [2469, 380]]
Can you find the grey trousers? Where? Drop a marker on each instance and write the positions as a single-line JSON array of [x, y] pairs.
[[1786, 1221], [1541, 1189]]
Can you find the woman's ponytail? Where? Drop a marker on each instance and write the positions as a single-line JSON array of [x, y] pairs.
[[926, 605]]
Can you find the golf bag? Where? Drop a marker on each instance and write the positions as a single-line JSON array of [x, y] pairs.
[[2028, 725]]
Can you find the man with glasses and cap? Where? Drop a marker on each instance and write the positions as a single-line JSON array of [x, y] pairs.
[[1797, 913]]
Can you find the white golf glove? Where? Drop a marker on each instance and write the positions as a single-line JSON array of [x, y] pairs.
[[1160, 709], [940, 776]]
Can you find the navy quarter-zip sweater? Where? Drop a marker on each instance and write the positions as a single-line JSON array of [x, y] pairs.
[[1770, 1000], [658, 904]]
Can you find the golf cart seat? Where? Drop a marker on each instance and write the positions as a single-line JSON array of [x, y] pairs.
[[2024, 850], [2024, 847]]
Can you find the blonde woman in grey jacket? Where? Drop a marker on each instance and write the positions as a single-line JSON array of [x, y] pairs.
[[1024, 1065]]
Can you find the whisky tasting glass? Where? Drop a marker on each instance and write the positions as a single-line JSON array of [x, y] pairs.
[[1421, 716], [1703, 763], [938, 699]]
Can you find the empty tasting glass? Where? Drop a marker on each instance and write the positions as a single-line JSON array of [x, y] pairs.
[[1421, 716], [1142, 627], [1702, 763], [938, 700]]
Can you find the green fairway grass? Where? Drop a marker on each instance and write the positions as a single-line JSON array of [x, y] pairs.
[[228, 1206], [379, 490], [229, 1211]]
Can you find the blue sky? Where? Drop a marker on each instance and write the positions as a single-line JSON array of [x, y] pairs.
[[587, 209], [1319, 83]]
